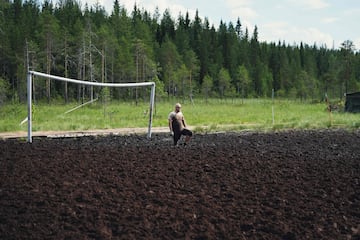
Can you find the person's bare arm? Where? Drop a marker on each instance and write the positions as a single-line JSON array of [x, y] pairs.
[[184, 123], [170, 125]]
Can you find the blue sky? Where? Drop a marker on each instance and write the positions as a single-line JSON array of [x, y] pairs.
[[324, 22]]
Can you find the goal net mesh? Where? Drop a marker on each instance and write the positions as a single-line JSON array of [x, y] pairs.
[[30, 79]]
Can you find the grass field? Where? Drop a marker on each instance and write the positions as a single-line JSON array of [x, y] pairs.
[[214, 115]]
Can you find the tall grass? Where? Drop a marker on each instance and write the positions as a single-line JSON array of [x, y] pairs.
[[201, 115]]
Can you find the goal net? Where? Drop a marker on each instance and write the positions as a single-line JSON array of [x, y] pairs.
[[58, 78]]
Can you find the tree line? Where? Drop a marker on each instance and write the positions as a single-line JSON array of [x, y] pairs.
[[185, 57]]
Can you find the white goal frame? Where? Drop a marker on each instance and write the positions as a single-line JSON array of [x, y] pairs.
[[30, 75]]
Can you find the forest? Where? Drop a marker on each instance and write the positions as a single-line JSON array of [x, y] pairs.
[[183, 56]]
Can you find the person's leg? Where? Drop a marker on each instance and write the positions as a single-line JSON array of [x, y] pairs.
[[188, 135], [177, 136], [176, 130]]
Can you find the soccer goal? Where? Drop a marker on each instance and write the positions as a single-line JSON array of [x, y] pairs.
[[123, 85]]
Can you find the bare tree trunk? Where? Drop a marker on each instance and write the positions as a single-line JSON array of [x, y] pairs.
[[83, 76], [79, 68], [137, 74], [91, 70], [48, 68], [66, 72]]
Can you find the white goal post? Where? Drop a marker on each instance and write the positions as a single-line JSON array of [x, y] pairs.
[[30, 75]]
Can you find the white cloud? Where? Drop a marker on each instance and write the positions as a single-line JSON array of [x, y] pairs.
[[107, 4], [310, 4], [273, 31], [320, 27], [314, 35], [162, 5], [352, 12], [357, 44], [330, 20], [282, 31], [244, 12], [237, 3], [241, 8], [148, 5]]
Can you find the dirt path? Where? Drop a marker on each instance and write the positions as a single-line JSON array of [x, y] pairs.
[[117, 131]]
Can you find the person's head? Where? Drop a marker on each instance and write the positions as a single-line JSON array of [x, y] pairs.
[[177, 107]]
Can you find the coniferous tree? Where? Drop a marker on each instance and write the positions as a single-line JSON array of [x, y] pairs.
[[346, 50], [207, 86], [167, 27], [182, 40], [69, 15], [238, 29], [5, 45], [232, 39], [224, 83], [204, 56], [256, 66], [195, 34], [169, 59], [192, 65], [48, 35], [275, 65], [242, 81], [90, 44]]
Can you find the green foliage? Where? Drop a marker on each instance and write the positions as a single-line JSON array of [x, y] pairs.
[[121, 46], [224, 83], [202, 116], [11, 115], [159, 88], [207, 87], [243, 81], [105, 95], [4, 91]]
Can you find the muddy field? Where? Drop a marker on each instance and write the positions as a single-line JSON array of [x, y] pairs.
[[288, 185]]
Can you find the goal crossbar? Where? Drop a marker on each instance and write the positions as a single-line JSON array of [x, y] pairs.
[[30, 75]]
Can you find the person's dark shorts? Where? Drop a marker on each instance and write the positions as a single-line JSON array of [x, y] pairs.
[[186, 132], [177, 134]]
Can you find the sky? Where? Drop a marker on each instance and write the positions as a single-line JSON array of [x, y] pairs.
[[322, 22]]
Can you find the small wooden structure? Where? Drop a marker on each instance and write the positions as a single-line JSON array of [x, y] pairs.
[[352, 102]]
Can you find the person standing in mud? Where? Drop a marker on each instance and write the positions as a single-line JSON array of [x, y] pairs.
[[177, 125]]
